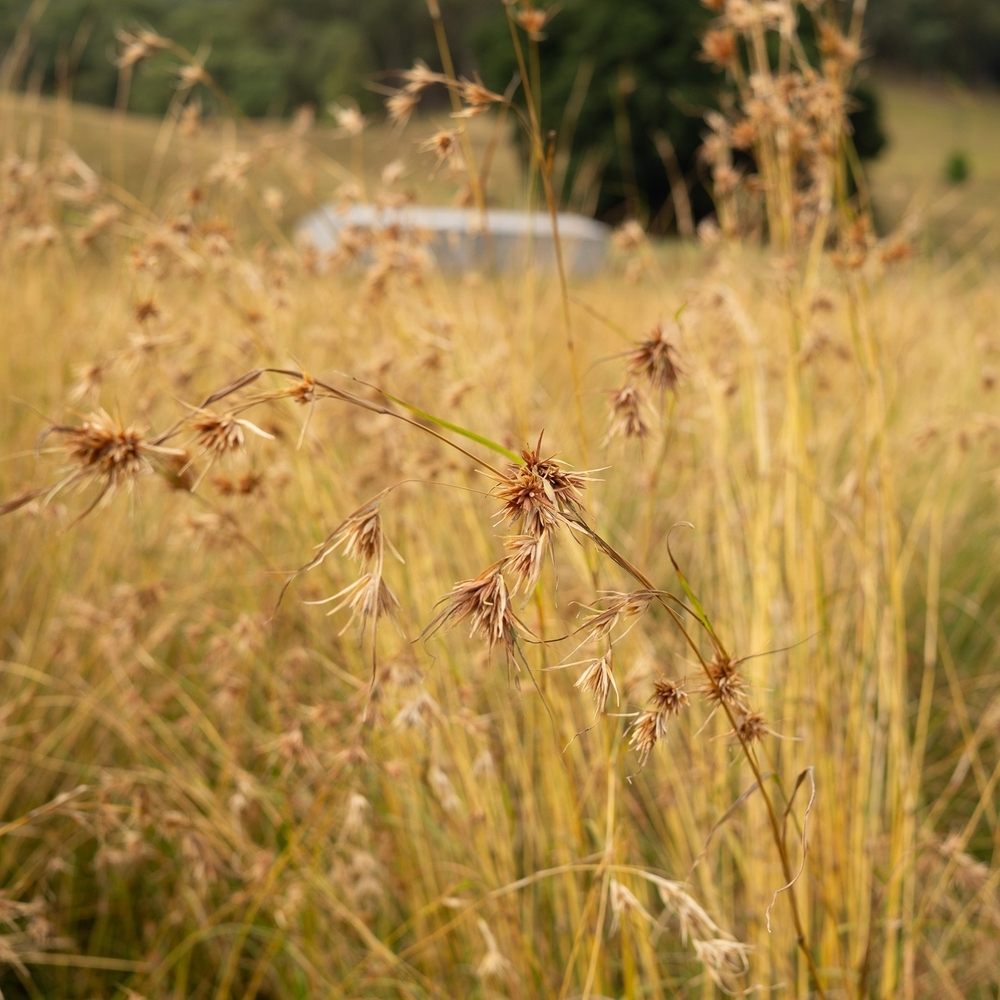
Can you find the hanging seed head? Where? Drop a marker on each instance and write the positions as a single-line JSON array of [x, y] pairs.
[[103, 448], [725, 960], [725, 685], [626, 418], [718, 46], [668, 697], [494, 966], [401, 105], [647, 730], [524, 563], [368, 598], [750, 728], [599, 680], [349, 120], [483, 600], [89, 379], [477, 98], [536, 493], [421, 77], [623, 902], [533, 21], [146, 309], [619, 606], [653, 359], [361, 535], [445, 145], [304, 392], [217, 433]]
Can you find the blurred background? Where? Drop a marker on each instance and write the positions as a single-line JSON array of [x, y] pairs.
[[618, 76]]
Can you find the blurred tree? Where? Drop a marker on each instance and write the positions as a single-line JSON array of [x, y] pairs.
[[953, 36], [645, 77], [646, 81], [269, 55]]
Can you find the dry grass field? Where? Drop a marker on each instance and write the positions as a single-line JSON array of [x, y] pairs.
[[644, 642]]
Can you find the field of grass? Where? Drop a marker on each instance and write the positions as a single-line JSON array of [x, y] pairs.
[[725, 721], [926, 125]]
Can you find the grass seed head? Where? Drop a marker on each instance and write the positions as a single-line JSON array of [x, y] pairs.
[[668, 697], [653, 360], [103, 448], [599, 680], [494, 966], [447, 147], [217, 433], [536, 493], [368, 597], [420, 77], [524, 563], [619, 606], [647, 730], [626, 418], [718, 46], [478, 99], [485, 602], [401, 105], [725, 685], [361, 536], [750, 728]]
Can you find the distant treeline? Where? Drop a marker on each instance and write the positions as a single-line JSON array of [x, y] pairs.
[[270, 56], [273, 55], [632, 70]]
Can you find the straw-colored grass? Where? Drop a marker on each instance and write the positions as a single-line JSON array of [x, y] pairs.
[[203, 793]]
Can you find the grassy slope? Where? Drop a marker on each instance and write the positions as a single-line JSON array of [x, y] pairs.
[[926, 124], [839, 483]]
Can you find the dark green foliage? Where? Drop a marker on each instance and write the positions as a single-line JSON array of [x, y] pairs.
[[646, 77], [866, 122], [954, 36], [269, 55], [956, 168]]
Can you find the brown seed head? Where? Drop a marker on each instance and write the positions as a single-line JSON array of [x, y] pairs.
[[744, 134], [599, 680], [724, 685], [217, 433], [421, 77], [533, 21], [103, 448], [483, 600], [146, 309], [524, 563], [718, 46], [361, 535], [477, 97], [750, 727], [619, 606], [626, 418], [668, 697], [304, 392], [647, 730], [653, 359], [537, 493], [445, 145], [368, 598]]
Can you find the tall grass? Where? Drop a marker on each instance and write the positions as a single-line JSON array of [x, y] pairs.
[[211, 792]]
